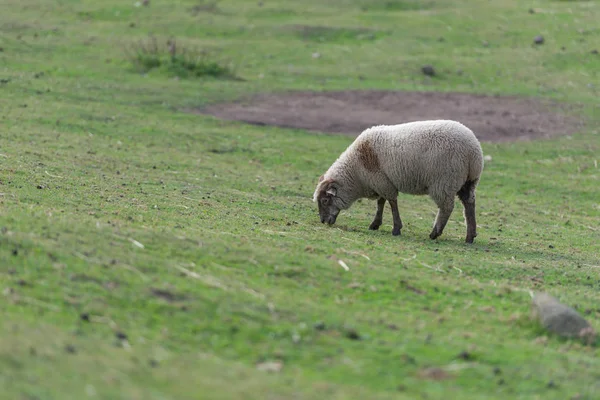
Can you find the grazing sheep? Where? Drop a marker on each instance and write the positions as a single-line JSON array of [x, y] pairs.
[[441, 158]]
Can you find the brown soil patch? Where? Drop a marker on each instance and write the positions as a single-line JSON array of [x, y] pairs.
[[492, 118]]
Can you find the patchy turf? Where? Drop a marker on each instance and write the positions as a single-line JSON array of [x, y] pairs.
[[493, 118], [152, 253]]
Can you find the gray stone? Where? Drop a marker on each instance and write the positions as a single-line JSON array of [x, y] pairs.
[[561, 319], [428, 70]]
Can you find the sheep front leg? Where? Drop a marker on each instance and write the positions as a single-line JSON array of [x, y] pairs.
[[378, 216], [446, 206], [396, 216]]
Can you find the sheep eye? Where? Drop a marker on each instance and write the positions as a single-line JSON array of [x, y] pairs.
[[325, 201]]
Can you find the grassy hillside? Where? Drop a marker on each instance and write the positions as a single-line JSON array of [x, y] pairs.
[[151, 253]]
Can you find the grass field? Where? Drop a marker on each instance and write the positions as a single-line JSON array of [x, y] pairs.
[[151, 253]]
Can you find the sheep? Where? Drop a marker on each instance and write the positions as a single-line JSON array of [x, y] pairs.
[[440, 158]]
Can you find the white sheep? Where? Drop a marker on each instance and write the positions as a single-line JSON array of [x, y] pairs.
[[441, 158]]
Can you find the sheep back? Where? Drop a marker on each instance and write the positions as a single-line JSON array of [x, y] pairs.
[[424, 157]]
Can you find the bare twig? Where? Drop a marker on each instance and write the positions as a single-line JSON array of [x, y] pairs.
[[104, 320], [460, 272], [355, 253], [52, 176], [458, 367], [136, 243], [409, 258], [187, 272], [133, 269], [210, 281], [430, 267], [343, 264]]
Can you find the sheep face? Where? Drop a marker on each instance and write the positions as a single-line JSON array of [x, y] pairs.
[[328, 201]]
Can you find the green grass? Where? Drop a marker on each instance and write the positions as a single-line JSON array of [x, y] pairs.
[[122, 215]]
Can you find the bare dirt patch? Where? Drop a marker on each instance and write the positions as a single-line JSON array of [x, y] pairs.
[[492, 118]]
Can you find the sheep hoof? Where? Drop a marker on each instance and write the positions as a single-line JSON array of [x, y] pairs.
[[471, 238], [374, 225], [434, 235], [396, 231]]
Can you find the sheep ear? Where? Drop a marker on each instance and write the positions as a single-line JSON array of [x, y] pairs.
[[321, 178], [332, 191]]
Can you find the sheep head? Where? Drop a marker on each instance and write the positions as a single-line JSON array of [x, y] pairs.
[[326, 196]]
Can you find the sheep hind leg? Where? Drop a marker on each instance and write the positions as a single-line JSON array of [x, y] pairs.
[[467, 196], [396, 215], [378, 220], [446, 206]]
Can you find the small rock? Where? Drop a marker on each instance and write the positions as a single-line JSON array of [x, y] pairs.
[[121, 335], [320, 326], [316, 55], [153, 363], [551, 385], [497, 371], [485, 43], [531, 11], [428, 70], [595, 51], [539, 39], [145, 3], [561, 319], [352, 334], [70, 349], [84, 317], [550, 246], [465, 355], [40, 186], [487, 157]]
